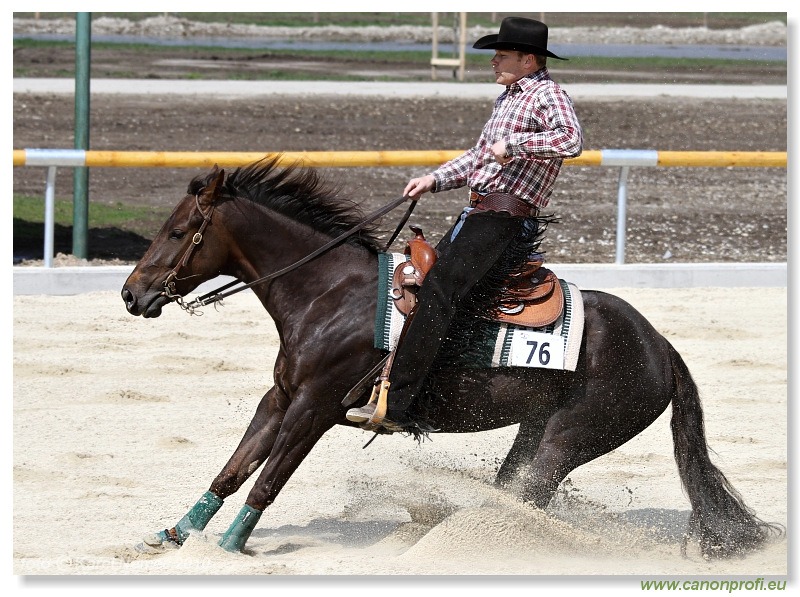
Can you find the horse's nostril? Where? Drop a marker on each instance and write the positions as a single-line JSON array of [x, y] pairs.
[[128, 297]]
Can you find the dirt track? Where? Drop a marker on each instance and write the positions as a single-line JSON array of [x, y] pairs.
[[119, 438]]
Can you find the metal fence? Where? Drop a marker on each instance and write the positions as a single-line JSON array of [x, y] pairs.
[[624, 159]]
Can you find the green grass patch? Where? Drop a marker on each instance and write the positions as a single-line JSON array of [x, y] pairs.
[[117, 231], [139, 219], [32, 209]]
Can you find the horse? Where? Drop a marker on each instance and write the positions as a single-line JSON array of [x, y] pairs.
[[254, 222]]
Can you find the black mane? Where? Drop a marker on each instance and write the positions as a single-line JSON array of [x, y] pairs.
[[298, 193]]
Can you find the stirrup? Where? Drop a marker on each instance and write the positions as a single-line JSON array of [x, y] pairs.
[[379, 397], [380, 392], [377, 421]]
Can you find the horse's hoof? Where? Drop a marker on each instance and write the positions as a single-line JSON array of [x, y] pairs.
[[147, 549], [156, 543]]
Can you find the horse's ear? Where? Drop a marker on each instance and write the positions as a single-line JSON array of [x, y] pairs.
[[212, 190]]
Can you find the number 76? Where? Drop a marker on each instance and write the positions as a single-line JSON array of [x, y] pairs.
[[544, 352]]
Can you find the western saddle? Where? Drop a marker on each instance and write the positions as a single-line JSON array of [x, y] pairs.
[[532, 298]]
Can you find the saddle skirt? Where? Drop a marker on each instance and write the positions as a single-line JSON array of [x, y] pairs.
[[533, 299]]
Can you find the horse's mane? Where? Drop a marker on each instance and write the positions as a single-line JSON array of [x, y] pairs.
[[299, 193]]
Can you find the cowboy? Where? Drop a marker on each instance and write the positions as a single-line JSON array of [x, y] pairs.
[[510, 174]]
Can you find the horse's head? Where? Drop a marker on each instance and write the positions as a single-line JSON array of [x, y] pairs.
[[186, 252]]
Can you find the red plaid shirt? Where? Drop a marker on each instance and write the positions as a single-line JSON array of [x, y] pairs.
[[535, 118]]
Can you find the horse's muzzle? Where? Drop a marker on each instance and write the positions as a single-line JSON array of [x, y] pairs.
[[146, 308]]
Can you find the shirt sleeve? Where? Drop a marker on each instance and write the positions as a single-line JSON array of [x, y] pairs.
[[559, 134], [455, 173]]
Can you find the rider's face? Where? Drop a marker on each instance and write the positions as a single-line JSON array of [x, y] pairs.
[[510, 66]]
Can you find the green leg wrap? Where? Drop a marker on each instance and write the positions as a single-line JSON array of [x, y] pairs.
[[197, 518], [239, 532]]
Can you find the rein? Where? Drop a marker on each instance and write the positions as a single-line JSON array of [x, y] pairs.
[[223, 292]]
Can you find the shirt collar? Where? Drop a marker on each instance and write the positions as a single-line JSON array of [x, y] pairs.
[[529, 81]]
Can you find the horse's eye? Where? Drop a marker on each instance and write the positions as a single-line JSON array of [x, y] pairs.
[[177, 234]]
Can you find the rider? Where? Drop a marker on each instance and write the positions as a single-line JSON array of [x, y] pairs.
[[510, 173]]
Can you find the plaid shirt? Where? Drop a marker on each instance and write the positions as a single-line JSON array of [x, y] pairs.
[[535, 118]]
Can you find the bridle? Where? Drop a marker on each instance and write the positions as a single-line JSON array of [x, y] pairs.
[[169, 282], [226, 290]]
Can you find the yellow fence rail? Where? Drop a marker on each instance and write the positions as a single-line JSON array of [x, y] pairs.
[[357, 159]]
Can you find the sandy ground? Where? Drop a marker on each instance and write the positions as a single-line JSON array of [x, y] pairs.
[[120, 424]]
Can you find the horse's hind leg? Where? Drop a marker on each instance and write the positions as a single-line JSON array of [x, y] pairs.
[[533, 469], [253, 449], [572, 437], [517, 464], [536, 465]]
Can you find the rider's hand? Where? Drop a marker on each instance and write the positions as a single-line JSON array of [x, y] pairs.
[[418, 186], [500, 152]]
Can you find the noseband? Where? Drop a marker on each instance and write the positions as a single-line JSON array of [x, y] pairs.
[[172, 277]]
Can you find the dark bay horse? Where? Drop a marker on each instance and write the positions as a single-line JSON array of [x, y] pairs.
[[261, 218]]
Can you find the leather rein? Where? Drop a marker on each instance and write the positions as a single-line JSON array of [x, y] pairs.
[[227, 290]]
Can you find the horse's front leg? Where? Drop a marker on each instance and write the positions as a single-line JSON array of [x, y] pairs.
[[255, 446], [253, 449], [303, 426]]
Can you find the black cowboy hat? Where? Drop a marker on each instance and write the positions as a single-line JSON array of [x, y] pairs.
[[518, 33]]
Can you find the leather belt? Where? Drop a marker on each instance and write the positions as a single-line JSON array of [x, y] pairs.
[[502, 202]]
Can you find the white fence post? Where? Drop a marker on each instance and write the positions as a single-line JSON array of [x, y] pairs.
[[622, 206], [49, 216]]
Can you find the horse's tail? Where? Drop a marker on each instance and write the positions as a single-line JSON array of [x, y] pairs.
[[720, 519]]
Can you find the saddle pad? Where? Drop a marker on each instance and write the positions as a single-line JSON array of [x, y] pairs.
[[388, 319], [555, 346]]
